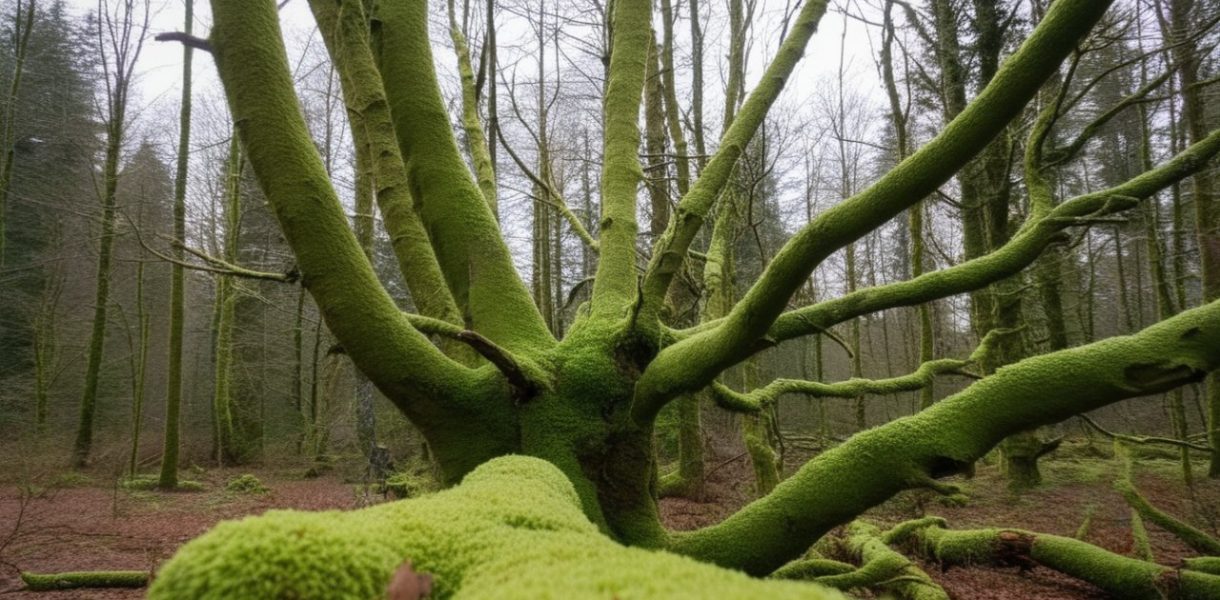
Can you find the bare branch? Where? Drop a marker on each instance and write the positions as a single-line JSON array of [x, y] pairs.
[[186, 39]]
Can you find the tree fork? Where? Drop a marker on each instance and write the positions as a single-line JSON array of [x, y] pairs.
[[429, 388]]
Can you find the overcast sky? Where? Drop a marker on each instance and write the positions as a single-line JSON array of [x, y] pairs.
[[160, 64]]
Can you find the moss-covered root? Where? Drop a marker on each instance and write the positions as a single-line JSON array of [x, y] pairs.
[[48, 582], [881, 567], [1119, 576], [809, 569], [1203, 564], [1198, 541], [512, 529]]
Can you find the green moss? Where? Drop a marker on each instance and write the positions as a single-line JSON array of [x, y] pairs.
[[945, 439], [411, 482], [1192, 536], [455, 212], [40, 582], [1203, 564], [512, 529], [1121, 577], [147, 483], [71, 479], [1139, 537], [246, 484], [881, 567], [1082, 532], [809, 569], [344, 29]]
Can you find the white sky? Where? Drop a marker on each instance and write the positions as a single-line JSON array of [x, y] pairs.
[[160, 65]]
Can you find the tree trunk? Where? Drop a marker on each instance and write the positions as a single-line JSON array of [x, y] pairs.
[[177, 296]]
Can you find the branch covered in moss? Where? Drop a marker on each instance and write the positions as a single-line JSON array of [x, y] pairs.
[[833, 488], [1020, 252], [462, 228], [1119, 576], [692, 363], [851, 388], [809, 569], [1196, 539], [616, 283], [513, 529], [881, 568], [525, 376], [1024, 248], [253, 66], [1143, 439], [49, 582], [344, 29], [1203, 564], [476, 139]]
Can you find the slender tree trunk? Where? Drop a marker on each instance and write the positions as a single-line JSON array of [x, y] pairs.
[[177, 294], [231, 445], [46, 351], [123, 35], [298, 369], [696, 100], [366, 175], [138, 375], [23, 24], [101, 299]]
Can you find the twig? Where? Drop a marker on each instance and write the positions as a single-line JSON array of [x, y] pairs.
[[1140, 439], [187, 40]]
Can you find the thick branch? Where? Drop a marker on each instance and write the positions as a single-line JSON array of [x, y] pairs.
[[344, 29], [253, 67], [690, 364], [526, 380], [836, 486], [882, 567], [615, 285], [455, 212], [513, 529]]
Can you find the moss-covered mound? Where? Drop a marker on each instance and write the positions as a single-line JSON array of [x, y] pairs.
[[246, 484], [512, 529]]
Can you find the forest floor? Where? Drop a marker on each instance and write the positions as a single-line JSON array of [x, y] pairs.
[[74, 522]]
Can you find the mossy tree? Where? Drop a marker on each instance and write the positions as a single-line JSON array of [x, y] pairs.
[[119, 30], [168, 478], [482, 375]]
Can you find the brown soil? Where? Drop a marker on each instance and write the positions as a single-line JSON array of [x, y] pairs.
[[105, 528], [93, 526]]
